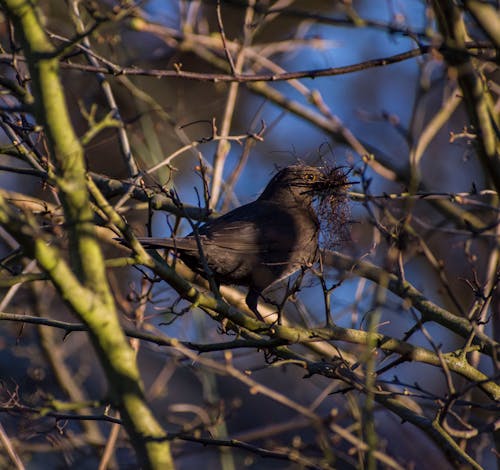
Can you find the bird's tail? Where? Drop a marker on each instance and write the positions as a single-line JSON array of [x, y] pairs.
[[157, 242]]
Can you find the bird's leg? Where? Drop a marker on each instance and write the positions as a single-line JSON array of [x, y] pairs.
[[252, 300]]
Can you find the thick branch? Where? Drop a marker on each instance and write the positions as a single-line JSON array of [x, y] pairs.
[[84, 287]]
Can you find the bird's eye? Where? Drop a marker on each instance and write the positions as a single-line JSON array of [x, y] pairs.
[[310, 177]]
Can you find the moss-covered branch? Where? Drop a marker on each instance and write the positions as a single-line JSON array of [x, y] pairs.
[[429, 310], [83, 285]]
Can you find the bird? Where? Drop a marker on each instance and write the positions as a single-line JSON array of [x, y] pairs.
[[261, 243]]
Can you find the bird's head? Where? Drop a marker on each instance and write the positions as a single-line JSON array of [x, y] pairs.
[[302, 183], [299, 186]]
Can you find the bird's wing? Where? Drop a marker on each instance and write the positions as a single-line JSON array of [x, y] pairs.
[[252, 229]]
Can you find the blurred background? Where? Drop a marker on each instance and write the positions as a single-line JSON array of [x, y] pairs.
[[390, 125]]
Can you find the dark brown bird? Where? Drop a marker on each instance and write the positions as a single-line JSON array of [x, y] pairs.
[[263, 242]]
